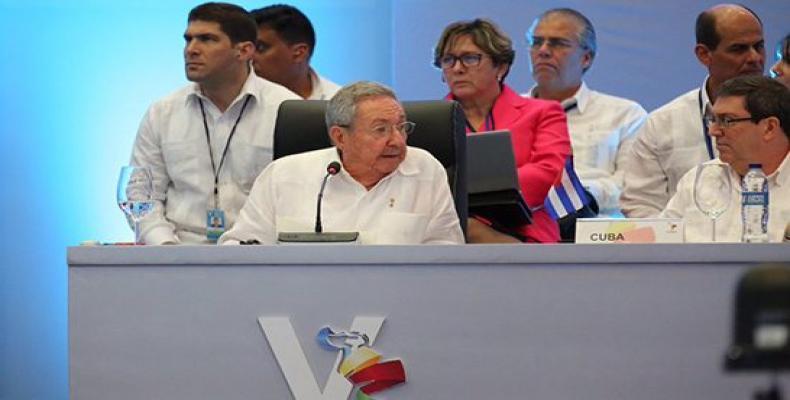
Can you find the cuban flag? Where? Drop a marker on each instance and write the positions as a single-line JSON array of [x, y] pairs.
[[567, 195]]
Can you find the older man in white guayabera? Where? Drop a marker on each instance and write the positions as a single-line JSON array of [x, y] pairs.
[[387, 191]]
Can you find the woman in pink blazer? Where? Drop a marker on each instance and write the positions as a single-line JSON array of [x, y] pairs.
[[475, 57]]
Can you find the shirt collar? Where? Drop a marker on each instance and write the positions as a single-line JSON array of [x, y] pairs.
[[581, 98], [704, 95], [781, 176], [317, 92], [409, 166], [249, 88]]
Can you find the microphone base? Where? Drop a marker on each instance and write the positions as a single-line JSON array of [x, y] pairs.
[[315, 237]]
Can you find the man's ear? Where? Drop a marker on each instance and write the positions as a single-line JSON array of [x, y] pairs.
[[337, 135], [772, 128], [703, 54], [300, 53], [244, 50], [587, 59]]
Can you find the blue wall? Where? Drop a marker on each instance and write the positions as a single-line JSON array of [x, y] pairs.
[[76, 79], [645, 48], [77, 76]]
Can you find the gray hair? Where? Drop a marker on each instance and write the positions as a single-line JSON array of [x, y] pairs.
[[342, 109], [586, 35]]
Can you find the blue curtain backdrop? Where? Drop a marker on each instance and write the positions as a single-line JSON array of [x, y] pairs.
[[76, 77]]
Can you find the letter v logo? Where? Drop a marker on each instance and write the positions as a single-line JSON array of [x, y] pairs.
[[293, 362]]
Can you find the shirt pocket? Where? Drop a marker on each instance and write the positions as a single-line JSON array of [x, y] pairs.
[[398, 228], [246, 161], [182, 161], [595, 149]]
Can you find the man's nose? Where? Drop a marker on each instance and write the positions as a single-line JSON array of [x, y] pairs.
[[396, 137], [756, 56], [544, 50], [715, 130], [190, 47]]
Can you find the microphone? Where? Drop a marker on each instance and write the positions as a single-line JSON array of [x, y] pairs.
[[318, 235], [332, 169]]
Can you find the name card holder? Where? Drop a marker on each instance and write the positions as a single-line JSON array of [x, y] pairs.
[[629, 230]]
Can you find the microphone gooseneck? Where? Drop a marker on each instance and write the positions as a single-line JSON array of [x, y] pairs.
[[332, 169]]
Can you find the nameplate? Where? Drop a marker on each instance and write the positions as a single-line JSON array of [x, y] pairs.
[[629, 230]]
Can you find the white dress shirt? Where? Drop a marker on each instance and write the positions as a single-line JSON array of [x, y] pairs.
[[671, 142], [412, 205], [729, 226], [323, 89], [602, 128], [172, 141]]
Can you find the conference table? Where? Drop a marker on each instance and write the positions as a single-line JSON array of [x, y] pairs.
[[468, 322]]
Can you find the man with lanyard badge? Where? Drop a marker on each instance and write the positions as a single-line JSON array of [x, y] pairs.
[[206, 143], [675, 138]]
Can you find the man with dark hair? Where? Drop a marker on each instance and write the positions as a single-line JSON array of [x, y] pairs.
[[750, 120], [206, 142], [562, 49], [675, 137], [286, 41]]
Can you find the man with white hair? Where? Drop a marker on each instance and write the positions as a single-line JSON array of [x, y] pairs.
[[388, 192], [562, 49]]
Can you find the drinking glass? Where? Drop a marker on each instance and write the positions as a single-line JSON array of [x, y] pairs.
[[135, 195], [712, 188]]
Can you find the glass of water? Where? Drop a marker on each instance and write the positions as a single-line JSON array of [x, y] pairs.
[[712, 188], [135, 195]]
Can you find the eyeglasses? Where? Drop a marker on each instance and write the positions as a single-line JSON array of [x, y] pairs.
[[554, 43], [468, 60], [381, 131], [724, 122]]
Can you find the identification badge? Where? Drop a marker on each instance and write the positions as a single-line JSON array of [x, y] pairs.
[[215, 224]]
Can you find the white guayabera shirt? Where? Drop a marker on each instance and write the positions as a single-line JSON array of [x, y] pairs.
[[729, 226], [412, 205]]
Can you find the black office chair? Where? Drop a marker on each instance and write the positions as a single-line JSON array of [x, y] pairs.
[[440, 130]]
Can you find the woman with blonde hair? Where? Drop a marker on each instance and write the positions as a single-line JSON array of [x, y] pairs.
[[475, 58]]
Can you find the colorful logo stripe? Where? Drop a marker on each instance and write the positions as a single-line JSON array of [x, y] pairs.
[[360, 364]]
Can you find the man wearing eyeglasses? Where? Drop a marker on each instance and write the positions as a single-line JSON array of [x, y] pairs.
[[388, 192], [750, 120], [675, 138], [562, 49], [286, 40]]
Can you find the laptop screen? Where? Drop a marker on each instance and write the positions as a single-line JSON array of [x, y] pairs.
[[491, 166]]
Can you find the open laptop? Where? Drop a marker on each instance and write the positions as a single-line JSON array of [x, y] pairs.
[[492, 181]]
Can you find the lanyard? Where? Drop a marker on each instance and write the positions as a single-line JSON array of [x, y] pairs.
[[571, 106], [227, 145], [489, 124], [705, 134]]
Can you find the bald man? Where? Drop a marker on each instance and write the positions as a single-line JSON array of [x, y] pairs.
[[675, 137]]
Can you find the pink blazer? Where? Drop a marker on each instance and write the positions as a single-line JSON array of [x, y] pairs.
[[541, 144]]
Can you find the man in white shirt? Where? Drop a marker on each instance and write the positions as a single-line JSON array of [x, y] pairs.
[[674, 138], [751, 123], [562, 49], [206, 142], [386, 191], [286, 41]]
